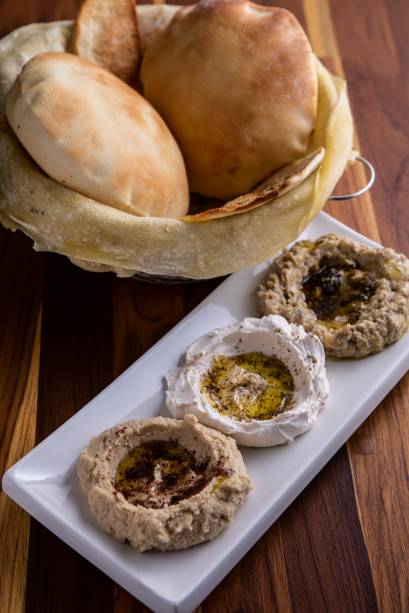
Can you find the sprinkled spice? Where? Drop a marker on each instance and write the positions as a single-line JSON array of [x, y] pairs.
[[337, 289], [248, 386], [161, 473]]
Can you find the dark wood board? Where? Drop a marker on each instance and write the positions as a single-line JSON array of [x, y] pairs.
[[65, 334]]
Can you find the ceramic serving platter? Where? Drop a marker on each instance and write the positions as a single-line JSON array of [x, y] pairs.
[[45, 485]]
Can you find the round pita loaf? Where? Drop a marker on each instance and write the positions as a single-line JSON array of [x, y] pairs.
[[101, 238], [106, 33], [152, 19], [91, 132], [237, 85]]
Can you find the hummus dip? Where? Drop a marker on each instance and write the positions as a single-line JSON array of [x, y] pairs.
[[163, 483], [355, 298]]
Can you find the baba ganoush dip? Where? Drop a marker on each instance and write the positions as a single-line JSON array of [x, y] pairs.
[[355, 298], [262, 381], [163, 483]]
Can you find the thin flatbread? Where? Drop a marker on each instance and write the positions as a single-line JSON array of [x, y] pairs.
[[278, 184]]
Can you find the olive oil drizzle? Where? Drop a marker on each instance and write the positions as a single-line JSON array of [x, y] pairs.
[[336, 291], [248, 386], [162, 473]]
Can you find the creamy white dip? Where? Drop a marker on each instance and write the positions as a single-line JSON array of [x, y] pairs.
[[300, 352]]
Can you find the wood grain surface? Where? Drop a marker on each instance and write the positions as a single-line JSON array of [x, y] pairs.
[[65, 334]]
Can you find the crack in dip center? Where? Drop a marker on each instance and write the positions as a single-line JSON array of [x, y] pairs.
[[157, 474], [336, 291], [248, 386]]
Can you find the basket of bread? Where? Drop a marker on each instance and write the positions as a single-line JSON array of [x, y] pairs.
[[170, 141]]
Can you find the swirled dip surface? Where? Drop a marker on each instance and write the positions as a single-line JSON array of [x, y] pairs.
[[354, 297], [262, 381], [248, 386], [161, 473], [337, 290], [163, 483]]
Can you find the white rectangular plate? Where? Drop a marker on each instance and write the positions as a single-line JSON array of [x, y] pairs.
[[44, 482]]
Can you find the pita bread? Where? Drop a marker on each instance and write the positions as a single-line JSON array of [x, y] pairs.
[[93, 133], [102, 238], [106, 33], [236, 83], [152, 19], [18, 47], [280, 182]]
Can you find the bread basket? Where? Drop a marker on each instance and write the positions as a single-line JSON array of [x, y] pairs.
[[100, 238]]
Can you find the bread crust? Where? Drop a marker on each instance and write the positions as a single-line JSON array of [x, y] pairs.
[[240, 70], [107, 34], [64, 111]]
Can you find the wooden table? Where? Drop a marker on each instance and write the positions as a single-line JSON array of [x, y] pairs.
[[65, 334]]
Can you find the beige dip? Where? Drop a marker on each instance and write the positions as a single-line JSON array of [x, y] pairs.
[[163, 483], [355, 298]]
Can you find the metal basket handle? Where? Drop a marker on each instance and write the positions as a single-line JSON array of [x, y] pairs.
[[359, 192]]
